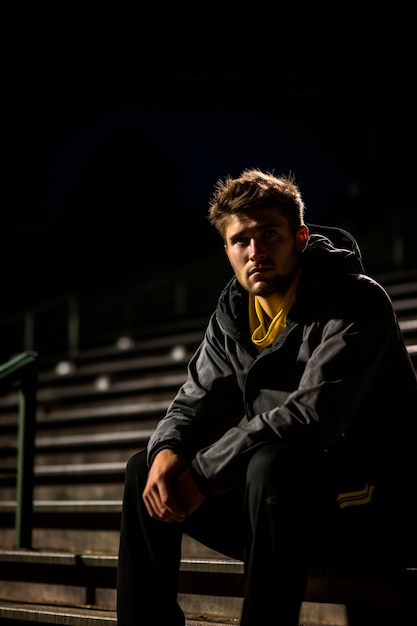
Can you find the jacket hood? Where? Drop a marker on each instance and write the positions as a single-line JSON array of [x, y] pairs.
[[329, 257], [323, 262]]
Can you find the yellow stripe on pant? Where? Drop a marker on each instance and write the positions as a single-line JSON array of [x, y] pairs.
[[354, 498]]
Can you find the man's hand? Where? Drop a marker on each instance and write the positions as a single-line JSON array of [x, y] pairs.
[[170, 492]]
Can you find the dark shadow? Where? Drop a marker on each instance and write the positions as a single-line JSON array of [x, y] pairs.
[[127, 213]]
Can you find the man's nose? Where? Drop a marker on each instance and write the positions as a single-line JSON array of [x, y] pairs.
[[256, 249]]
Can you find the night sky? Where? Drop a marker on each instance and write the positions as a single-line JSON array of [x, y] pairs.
[[117, 123]]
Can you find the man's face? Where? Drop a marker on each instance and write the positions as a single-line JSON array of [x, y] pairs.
[[263, 252]]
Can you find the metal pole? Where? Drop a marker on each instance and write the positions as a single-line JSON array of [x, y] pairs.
[[25, 459]]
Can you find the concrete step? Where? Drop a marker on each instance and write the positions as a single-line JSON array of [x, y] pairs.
[[210, 588], [311, 615], [83, 616]]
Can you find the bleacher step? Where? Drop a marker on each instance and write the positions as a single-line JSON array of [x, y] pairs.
[[81, 616], [312, 614], [210, 589], [50, 614]]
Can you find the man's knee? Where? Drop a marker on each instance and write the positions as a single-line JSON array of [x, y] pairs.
[[278, 468], [268, 460]]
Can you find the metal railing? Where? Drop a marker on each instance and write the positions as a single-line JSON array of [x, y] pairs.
[[22, 371]]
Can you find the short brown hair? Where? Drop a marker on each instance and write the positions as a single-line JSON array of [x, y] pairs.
[[251, 190]]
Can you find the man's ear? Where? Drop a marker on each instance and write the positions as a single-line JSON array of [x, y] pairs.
[[302, 237]]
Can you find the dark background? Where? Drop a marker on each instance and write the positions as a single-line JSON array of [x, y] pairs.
[[117, 122]]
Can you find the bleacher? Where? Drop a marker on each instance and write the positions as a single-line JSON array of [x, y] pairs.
[[96, 404]]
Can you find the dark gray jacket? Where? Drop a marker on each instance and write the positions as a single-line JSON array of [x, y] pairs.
[[337, 379]]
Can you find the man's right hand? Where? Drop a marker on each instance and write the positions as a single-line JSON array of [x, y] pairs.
[[158, 494]]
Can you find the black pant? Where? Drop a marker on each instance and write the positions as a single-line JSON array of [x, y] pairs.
[[279, 522]]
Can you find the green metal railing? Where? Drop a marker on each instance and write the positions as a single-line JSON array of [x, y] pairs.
[[21, 370]]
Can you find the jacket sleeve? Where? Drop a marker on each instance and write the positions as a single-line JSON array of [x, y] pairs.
[[207, 404]]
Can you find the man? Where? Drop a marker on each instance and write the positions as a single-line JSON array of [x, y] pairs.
[[292, 441]]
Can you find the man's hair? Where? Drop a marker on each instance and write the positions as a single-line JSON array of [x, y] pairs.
[[255, 189]]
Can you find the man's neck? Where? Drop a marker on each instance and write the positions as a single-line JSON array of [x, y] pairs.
[[271, 304]]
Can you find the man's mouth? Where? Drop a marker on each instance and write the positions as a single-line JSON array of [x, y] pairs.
[[259, 270]]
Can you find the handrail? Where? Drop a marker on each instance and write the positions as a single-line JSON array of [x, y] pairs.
[[22, 369]]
